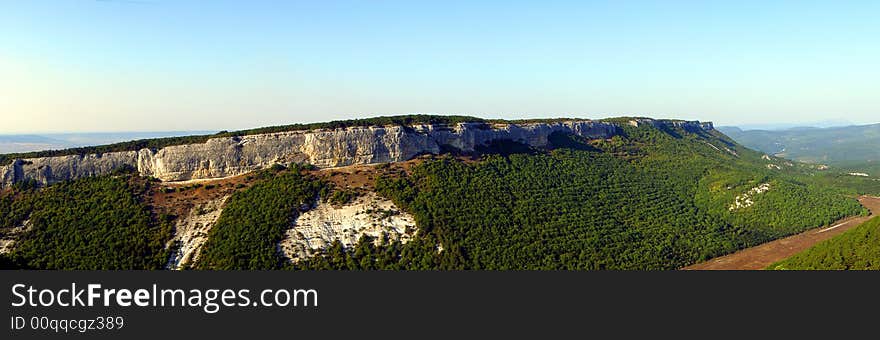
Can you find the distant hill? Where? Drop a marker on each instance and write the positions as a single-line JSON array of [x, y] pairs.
[[848, 147], [783, 126], [27, 143], [20, 143]]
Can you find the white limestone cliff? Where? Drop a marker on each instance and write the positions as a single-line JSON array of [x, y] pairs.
[[229, 156]]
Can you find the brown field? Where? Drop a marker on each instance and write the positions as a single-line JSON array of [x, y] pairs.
[[178, 203], [759, 257]]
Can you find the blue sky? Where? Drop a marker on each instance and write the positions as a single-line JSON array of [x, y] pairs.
[[85, 65]]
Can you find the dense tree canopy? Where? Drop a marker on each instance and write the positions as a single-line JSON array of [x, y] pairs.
[[92, 223]]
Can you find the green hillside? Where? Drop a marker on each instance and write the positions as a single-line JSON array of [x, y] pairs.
[[650, 198], [856, 249], [93, 223]]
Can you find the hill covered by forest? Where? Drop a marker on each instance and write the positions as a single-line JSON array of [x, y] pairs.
[[654, 199], [653, 196]]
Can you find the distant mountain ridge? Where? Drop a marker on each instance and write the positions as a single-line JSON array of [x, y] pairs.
[[847, 146], [28, 143], [787, 126], [21, 143]]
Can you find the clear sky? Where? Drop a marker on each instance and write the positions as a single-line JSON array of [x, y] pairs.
[[87, 65]]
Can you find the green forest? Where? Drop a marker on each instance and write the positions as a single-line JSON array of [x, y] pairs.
[[92, 223], [856, 249]]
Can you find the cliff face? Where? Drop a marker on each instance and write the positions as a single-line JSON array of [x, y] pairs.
[[687, 125], [222, 157]]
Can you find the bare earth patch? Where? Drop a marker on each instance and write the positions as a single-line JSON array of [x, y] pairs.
[[195, 206]]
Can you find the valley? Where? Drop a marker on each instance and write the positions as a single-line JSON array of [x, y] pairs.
[[850, 148]]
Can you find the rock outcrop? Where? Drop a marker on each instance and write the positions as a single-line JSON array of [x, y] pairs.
[[191, 232], [369, 215], [229, 156], [7, 241]]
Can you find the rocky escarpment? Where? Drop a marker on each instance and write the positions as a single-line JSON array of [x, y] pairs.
[[229, 156], [687, 125]]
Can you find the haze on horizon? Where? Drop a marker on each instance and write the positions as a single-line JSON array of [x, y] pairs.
[[162, 65]]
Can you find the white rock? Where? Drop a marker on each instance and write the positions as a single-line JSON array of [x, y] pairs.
[[745, 200], [191, 232], [319, 227], [8, 241]]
